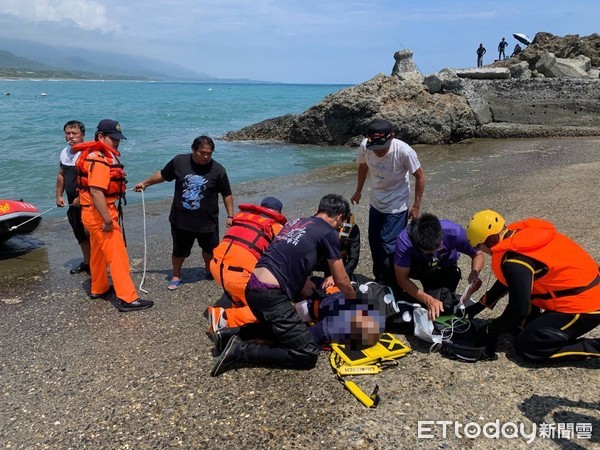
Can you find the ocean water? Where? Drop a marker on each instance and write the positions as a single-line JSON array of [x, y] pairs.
[[159, 119]]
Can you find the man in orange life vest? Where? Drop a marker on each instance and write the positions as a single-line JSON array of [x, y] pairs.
[[101, 184], [541, 269], [251, 232]]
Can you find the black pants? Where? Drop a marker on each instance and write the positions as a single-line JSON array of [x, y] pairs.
[[293, 345], [555, 336]]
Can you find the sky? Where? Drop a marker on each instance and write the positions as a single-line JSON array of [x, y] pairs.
[[295, 41]]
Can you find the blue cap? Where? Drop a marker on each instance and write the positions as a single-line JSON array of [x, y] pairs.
[[272, 203]]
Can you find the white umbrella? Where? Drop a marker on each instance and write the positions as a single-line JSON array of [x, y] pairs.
[[522, 38]]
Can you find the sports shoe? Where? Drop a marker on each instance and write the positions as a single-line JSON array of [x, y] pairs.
[[135, 305], [228, 357], [83, 267], [216, 318], [103, 295]]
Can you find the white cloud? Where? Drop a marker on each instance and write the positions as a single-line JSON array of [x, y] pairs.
[[86, 14]]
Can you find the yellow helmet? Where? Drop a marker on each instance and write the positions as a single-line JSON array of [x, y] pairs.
[[482, 225]]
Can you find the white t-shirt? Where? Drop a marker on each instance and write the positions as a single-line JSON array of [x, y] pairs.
[[390, 186], [67, 158]]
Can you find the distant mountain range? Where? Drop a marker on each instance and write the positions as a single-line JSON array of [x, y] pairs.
[[26, 59]]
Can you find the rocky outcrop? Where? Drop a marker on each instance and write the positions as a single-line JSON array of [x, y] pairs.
[[536, 93], [544, 102], [569, 46], [553, 67], [342, 118], [405, 68]]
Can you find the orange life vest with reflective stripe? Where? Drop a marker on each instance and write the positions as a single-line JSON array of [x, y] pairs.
[[570, 281], [107, 156], [252, 228]]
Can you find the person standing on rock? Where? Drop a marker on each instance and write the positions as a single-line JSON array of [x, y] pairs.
[[480, 52], [501, 47], [389, 160]]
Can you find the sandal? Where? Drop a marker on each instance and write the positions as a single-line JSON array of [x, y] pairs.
[[174, 284]]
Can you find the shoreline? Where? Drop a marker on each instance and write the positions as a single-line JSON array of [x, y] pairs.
[[76, 372]]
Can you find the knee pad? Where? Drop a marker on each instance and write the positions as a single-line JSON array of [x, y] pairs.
[[541, 343]]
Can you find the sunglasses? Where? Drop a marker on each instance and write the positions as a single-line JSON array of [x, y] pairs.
[[379, 139]]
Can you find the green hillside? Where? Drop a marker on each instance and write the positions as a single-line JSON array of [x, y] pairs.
[[13, 66]]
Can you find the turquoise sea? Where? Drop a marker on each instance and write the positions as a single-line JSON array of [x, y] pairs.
[[159, 119]]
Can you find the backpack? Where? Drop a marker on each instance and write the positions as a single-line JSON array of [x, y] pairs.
[[461, 339], [455, 336]]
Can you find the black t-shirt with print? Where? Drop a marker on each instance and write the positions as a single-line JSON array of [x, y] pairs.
[[195, 204], [295, 250]]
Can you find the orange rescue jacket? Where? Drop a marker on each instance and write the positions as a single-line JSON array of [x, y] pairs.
[[252, 228], [570, 281], [107, 156]]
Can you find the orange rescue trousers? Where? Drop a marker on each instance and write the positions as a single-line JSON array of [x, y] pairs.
[[108, 251], [233, 282]]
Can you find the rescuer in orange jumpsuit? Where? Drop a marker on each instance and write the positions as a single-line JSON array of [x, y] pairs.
[[251, 232], [101, 185]]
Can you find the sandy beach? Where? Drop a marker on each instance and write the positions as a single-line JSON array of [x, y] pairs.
[[76, 373]]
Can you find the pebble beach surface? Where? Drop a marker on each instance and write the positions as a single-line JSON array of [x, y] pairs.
[[76, 373]]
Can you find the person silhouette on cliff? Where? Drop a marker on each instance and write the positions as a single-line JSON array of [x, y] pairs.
[[501, 46], [480, 52]]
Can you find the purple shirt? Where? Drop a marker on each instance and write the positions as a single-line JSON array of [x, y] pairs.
[[454, 242], [296, 249]]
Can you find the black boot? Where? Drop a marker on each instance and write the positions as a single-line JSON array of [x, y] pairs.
[[222, 337], [237, 351], [228, 359]]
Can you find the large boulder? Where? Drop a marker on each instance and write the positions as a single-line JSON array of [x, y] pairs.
[[520, 70], [405, 68], [342, 118], [569, 46], [554, 67], [275, 129], [469, 91]]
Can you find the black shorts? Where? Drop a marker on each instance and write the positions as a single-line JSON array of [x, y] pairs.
[[74, 218], [183, 241]]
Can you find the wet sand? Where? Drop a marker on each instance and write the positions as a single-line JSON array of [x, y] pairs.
[[77, 373]]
